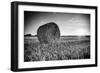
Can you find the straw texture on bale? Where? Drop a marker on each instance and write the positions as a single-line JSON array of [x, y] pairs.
[[48, 33]]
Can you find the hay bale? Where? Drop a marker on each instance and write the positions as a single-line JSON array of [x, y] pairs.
[[48, 33]]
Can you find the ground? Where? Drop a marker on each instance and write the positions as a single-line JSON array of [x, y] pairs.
[[67, 48]]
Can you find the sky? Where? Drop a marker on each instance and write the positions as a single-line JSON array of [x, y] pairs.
[[69, 23]]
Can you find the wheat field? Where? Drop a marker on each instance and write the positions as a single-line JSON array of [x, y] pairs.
[[67, 48]]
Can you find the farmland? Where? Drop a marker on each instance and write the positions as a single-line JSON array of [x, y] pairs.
[[67, 48]]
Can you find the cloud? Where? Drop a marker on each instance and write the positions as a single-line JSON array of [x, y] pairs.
[[69, 23]]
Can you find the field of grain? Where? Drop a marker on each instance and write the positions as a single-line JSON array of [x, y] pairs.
[[67, 48]]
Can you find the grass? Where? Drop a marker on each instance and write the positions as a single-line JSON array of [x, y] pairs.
[[64, 49]]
